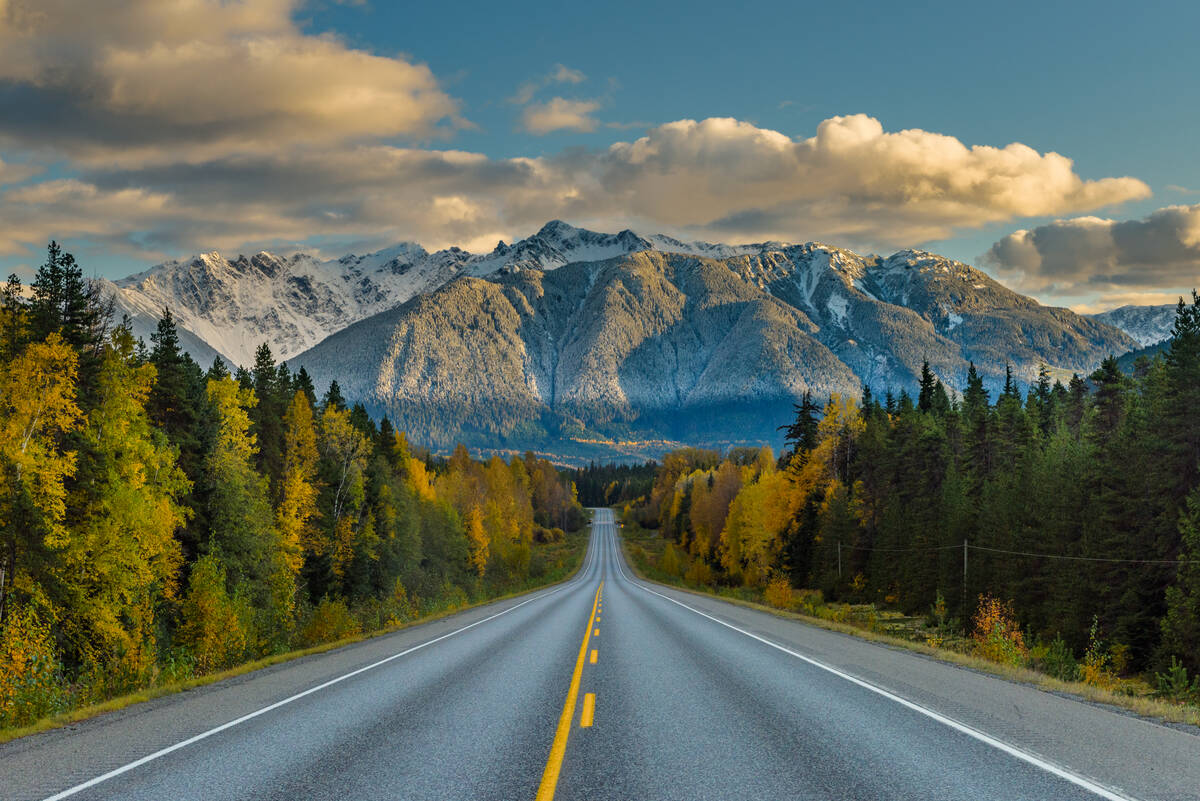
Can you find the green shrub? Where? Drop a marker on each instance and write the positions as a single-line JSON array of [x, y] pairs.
[[331, 621], [31, 681], [1175, 684]]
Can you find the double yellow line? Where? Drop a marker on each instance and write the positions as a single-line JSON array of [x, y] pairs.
[[559, 748]]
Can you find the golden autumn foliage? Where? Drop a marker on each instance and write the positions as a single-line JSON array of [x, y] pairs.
[[123, 556], [213, 626], [30, 671], [778, 593], [997, 634], [298, 490], [477, 540], [330, 621], [37, 407]]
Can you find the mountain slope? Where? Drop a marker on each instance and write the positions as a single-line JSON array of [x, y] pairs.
[[1148, 325], [292, 303], [670, 345]]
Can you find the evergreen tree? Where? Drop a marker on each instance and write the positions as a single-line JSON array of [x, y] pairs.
[[925, 396], [13, 318], [267, 416], [1181, 625], [333, 398], [304, 383], [801, 433]]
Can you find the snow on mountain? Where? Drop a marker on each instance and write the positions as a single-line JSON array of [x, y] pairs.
[[231, 306], [672, 345], [872, 312], [1149, 325]]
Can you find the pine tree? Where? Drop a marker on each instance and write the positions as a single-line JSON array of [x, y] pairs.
[[177, 394], [801, 434], [925, 397], [1181, 625], [333, 398], [14, 318], [304, 383], [267, 417], [242, 527]]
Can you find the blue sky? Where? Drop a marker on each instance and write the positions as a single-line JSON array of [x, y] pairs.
[[1109, 86]]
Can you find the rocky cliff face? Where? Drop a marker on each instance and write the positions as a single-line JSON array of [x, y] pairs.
[[680, 346]]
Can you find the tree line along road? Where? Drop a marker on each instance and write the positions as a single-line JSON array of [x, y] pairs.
[[609, 687]]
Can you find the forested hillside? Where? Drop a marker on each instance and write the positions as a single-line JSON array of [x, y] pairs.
[[159, 521], [1079, 504]]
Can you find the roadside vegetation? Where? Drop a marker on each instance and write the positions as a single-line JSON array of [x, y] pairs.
[[161, 523], [989, 649], [1057, 532]]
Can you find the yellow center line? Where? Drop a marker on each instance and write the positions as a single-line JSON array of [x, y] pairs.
[[559, 749], [592, 659], [589, 710], [596, 633]]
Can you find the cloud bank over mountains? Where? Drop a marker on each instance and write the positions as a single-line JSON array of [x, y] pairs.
[[168, 128], [1126, 261]]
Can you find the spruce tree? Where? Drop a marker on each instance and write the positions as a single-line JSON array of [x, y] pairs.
[[925, 396], [801, 433], [333, 398]]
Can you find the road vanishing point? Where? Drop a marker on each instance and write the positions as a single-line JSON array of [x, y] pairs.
[[610, 687]]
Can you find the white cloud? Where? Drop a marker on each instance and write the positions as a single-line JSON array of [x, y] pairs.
[[135, 81], [559, 114], [852, 183], [560, 74], [1096, 255]]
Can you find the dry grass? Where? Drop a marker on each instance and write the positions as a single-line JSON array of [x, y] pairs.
[[1154, 708]]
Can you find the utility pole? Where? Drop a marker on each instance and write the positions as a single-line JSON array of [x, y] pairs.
[[964, 590], [839, 559]]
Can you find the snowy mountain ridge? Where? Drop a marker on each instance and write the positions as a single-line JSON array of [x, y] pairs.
[[293, 302], [1149, 325]]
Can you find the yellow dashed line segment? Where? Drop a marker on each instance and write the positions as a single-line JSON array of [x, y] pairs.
[[589, 709], [559, 748]]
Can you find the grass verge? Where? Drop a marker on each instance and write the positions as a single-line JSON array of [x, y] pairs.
[[1153, 708], [574, 548]]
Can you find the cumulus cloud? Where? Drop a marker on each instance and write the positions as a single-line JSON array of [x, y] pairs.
[[558, 75], [852, 184], [852, 179], [136, 81], [559, 114], [1092, 254]]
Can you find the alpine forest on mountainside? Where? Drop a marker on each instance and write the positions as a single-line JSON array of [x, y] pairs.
[[159, 522], [1059, 530]]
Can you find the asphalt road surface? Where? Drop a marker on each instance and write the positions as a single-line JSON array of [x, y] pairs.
[[607, 687]]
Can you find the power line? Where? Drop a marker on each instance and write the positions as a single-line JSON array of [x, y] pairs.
[[971, 547], [1087, 558]]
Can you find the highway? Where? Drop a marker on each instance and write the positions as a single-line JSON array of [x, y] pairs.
[[608, 687]]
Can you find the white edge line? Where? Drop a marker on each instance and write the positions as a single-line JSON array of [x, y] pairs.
[[587, 568], [1074, 778]]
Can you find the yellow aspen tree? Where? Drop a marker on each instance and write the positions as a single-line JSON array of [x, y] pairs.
[[298, 488], [477, 540], [37, 407], [122, 557], [347, 449]]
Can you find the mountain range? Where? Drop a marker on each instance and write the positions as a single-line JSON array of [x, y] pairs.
[[577, 341]]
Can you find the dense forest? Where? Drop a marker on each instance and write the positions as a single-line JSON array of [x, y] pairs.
[[1077, 503], [159, 520]]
